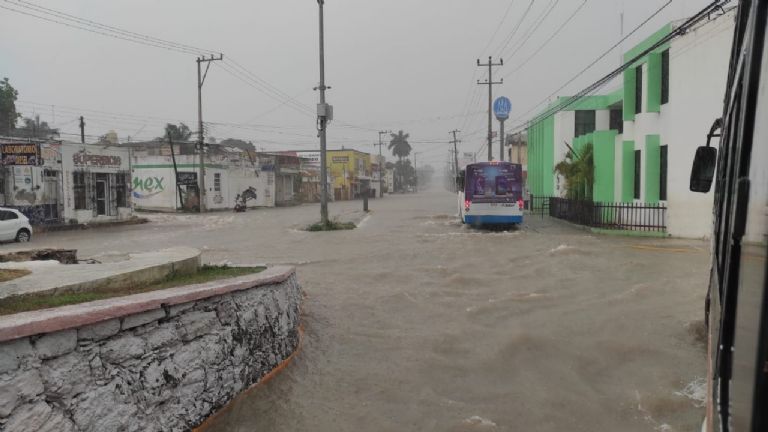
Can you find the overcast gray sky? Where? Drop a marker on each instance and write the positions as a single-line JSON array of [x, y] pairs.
[[398, 64]]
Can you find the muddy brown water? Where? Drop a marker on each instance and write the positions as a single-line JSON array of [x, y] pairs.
[[414, 322]]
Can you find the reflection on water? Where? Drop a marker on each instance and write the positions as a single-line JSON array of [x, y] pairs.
[[417, 323]]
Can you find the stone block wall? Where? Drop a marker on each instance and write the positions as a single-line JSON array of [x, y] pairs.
[[164, 368]]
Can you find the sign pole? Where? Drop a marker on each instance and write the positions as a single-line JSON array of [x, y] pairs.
[[501, 140]]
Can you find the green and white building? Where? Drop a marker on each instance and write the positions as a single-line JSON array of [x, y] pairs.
[[644, 135]]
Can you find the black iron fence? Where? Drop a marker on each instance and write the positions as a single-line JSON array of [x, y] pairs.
[[614, 216]]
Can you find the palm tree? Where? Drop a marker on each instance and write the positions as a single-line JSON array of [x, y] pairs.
[[178, 133], [401, 149], [578, 169]]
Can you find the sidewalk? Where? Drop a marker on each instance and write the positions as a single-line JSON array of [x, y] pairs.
[[83, 226]]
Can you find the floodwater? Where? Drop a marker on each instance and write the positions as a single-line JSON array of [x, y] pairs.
[[414, 322]]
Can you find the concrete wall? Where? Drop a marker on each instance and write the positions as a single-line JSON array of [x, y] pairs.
[[159, 361], [698, 74], [154, 182]]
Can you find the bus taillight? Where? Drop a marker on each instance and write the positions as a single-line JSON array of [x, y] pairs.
[[466, 205], [520, 203]]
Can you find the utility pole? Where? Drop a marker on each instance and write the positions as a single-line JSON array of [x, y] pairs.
[[381, 179], [416, 173], [324, 115], [82, 130], [200, 141], [501, 140], [490, 83], [455, 155]]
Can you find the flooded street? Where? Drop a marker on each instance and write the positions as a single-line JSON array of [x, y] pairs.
[[414, 322]]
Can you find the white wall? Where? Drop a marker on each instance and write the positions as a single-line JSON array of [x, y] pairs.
[[618, 151], [602, 119], [154, 182], [94, 159], [698, 74]]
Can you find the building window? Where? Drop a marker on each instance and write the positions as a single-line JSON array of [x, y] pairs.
[[665, 77], [121, 189], [78, 182], [663, 173], [217, 182], [617, 120], [638, 166], [585, 122], [639, 89]]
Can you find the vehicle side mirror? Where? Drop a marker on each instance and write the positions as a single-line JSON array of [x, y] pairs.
[[703, 170]]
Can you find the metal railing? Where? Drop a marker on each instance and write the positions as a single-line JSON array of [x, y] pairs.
[[614, 216]]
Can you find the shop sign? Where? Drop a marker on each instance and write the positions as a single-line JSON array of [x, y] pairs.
[[340, 159], [85, 159], [20, 154], [186, 179]]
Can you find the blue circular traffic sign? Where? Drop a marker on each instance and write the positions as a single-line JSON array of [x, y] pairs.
[[501, 108]]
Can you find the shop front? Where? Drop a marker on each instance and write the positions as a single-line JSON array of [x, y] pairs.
[[97, 182]]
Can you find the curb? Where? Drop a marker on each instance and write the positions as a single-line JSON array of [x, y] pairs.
[[85, 226]]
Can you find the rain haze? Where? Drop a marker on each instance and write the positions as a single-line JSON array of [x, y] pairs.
[[351, 253], [392, 65]]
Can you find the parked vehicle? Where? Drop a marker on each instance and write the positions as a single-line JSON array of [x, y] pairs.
[[491, 193], [14, 226]]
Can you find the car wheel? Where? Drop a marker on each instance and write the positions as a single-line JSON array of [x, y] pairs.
[[22, 236]]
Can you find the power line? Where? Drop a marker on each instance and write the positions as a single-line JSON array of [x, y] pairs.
[[514, 30], [699, 16], [535, 26], [594, 62], [548, 40], [498, 27]]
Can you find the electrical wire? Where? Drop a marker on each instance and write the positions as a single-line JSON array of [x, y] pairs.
[[600, 57], [684, 27], [548, 40], [515, 29], [535, 26]]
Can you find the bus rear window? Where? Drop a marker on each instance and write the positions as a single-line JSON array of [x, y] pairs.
[[503, 185]]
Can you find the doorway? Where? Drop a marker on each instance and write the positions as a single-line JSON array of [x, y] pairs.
[[101, 194]]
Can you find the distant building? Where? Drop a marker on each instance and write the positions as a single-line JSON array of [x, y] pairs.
[[162, 184], [351, 173], [58, 182]]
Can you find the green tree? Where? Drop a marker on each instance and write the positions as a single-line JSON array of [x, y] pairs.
[[34, 128], [237, 143], [8, 114], [399, 145], [178, 133], [400, 149], [578, 170]]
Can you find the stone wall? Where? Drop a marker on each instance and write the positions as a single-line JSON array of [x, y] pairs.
[[164, 368]]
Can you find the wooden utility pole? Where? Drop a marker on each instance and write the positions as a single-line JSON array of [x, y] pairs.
[[455, 153], [490, 83], [82, 130], [200, 141], [381, 179]]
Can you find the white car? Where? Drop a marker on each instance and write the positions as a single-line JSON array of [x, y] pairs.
[[14, 226]]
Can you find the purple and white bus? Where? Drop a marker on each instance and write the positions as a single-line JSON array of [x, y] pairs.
[[491, 193]]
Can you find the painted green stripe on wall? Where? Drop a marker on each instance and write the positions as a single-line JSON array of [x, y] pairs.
[[149, 166], [629, 94], [627, 171], [652, 168], [647, 43], [604, 148], [653, 96], [541, 159]]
